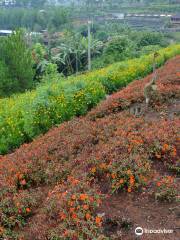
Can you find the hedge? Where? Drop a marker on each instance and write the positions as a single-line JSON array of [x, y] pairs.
[[25, 116]]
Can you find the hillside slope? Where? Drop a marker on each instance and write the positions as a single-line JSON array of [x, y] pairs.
[[25, 116], [102, 175]]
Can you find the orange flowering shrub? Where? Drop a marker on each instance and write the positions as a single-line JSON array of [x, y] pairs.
[[167, 151], [57, 181], [166, 189], [98, 170], [75, 211], [129, 178], [14, 211]]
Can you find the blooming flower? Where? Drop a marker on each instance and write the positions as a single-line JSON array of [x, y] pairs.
[[158, 184], [113, 175], [93, 170], [121, 181], [74, 216], [28, 210], [132, 180], [23, 182], [98, 221], [165, 147], [73, 197], [71, 210], [88, 216], [85, 207], [62, 216], [83, 197]]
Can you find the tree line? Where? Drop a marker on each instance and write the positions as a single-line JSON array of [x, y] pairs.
[[34, 19]]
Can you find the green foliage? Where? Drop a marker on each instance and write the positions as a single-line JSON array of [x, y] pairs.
[[125, 43], [150, 38], [116, 46], [59, 17], [102, 36], [24, 116], [39, 52], [51, 69], [149, 49], [42, 65], [15, 65], [71, 53], [6, 83], [33, 3], [117, 49], [156, 6], [34, 19]]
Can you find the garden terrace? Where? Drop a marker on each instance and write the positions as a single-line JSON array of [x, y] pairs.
[[101, 175], [23, 117]]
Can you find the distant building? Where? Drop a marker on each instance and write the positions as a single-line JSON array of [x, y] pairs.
[[5, 33], [7, 3], [57, 2], [175, 19]]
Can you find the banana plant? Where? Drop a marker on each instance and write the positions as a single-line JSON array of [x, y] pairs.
[[72, 53]]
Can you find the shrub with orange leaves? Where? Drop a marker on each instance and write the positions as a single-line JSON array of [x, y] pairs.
[[76, 207], [85, 207], [98, 221], [88, 216], [165, 147], [166, 189], [129, 176], [28, 210], [14, 211], [83, 197], [98, 170], [109, 149]]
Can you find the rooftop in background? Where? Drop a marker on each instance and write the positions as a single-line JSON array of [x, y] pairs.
[[176, 19], [7, 2], [177, 16], [5, 32], [9, 32]]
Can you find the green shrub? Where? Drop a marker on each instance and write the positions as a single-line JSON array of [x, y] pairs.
[[149, 49], [117, 49], [150, 38], [6, 83], [15, 65]]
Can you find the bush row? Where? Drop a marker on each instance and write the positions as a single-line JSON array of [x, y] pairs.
[[25, 116]]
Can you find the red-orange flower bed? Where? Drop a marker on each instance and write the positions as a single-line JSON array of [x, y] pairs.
[[56, 186]]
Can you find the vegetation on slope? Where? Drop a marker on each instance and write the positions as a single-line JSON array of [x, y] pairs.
[[63, 183], [25, 116]]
